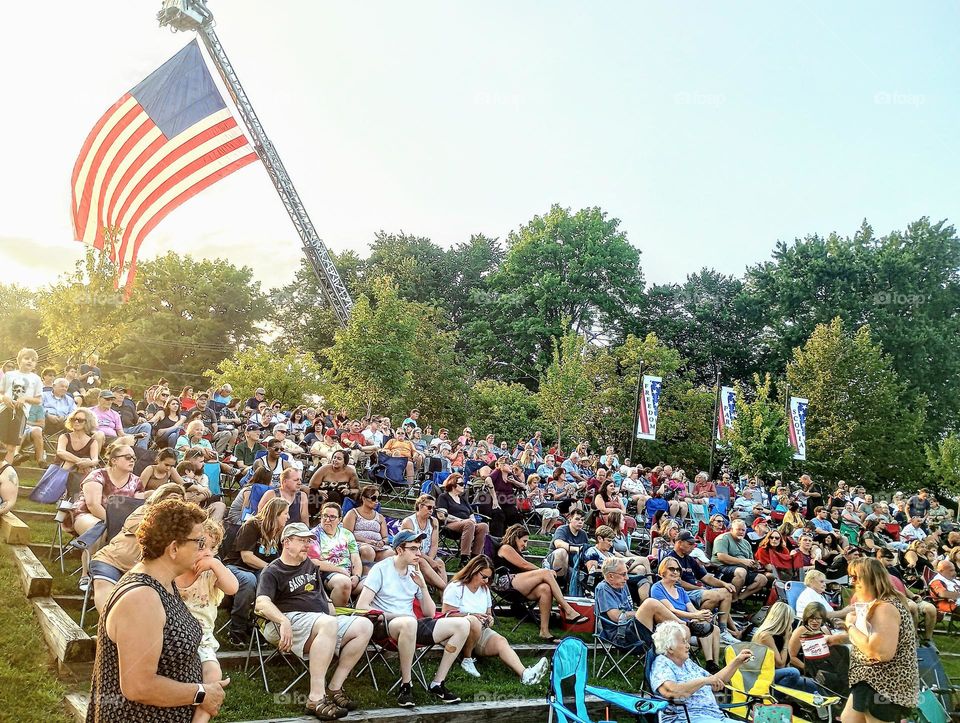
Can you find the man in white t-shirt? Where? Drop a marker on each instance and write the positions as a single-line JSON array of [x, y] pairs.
[[913, 532], [392, 586]]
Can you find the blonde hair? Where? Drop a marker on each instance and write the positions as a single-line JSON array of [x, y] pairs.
[[813, 576], [26, 353], [779, 620], [165, 491], [88, 425], [269, 519], [213, 530]]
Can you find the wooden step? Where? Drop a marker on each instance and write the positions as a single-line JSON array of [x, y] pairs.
[[13, 530], [68, 643], [77, 706], [34, 578], [42, 551], [36, 515]]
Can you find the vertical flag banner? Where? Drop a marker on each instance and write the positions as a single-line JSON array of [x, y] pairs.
[[797, 427], [726, 413], [649, 407], [161, 143]]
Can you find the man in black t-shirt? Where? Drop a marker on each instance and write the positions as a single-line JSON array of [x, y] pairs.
[[813, 494], [568, 542], [705, 591], [301, 619]]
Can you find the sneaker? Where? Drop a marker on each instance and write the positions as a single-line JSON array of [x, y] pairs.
[[238, 638], [84, 583], [534, 674], [325, 709], [470, 666], [727, 638], [405, 696], [440, 691]]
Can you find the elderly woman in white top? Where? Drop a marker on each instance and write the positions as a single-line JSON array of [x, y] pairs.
[[676, 677], [815, 583]]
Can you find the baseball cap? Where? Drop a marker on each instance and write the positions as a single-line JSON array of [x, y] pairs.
[[405, 536], [227, 388], [295, 529], [330, 433], [280, 427], [203, 395], [260, 390], [120, 388], [686, 536], [253, 428], [107, 394]]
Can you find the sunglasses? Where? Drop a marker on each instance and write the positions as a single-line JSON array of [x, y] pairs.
[[375, 498], [428, 507], [672, 568], [484, 577], [129, 457]]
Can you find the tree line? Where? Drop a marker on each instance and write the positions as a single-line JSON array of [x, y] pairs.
[[548, 327]]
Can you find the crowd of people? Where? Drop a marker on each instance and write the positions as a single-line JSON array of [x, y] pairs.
[[667, 559]]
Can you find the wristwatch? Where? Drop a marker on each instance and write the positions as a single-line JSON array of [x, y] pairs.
[[200, 696]]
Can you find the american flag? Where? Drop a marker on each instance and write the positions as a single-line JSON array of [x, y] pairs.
[[163, 142]]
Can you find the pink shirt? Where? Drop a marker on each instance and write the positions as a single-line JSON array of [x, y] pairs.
[[108, 421]]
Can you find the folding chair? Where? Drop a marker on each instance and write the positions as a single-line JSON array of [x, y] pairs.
[[257, 491], [616, 656], [471, 467], [699, 515], [949, 617], [259, 641], [753, 681], [793, 590], [570, 661], [64, 508], [118, 510], [390, 473]]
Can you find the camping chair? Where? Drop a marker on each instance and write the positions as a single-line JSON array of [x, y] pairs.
[[471, 467], [259, 641], [624, 656], [949, 617], [753, 681], [390, 473], [699, 515], [373, 652], [257, 491], [570, 661], [793, 590], [118, 509], [851, 532]]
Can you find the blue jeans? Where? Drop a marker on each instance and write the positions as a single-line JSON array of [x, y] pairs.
[[172, 436], [790, 677], [243, 599], [136, 429]]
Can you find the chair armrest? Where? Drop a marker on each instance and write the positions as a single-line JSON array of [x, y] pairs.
[[565, 712], [628, 701]]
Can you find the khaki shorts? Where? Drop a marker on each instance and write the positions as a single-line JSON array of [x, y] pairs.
[[302, 626], [487, 636]]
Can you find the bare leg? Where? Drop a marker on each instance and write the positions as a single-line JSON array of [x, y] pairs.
[[321, 653], [404, 631], [501, 648], [452, 632], [351, 648]]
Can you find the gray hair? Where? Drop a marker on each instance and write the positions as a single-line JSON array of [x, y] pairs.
[[61, 380], [737, 522], [612, 564], [668, 635]]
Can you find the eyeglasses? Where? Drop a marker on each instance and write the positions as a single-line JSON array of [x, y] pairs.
[[275, 449], [329, 517], [129, 457], [484, 577], [201, 541], [618, 574], [411, 548]]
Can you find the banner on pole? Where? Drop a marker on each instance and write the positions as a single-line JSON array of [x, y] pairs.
[[797, 427], [726, 413], [649, 407]]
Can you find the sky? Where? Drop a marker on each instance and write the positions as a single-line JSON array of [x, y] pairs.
[[711, 130]]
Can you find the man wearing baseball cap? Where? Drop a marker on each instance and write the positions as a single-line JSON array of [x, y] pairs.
[[392, 586], [254, 402], [300, 619], [246, 449], [280, 433], [705, 590]]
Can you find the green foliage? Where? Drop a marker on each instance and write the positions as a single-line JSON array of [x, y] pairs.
[[943, 459], [562, 272], [758, 437], [507, 410], [683, 424], [294, 377], [905, 285], [859, 426], [187, 315], [83, 312], [19, 321], [566, 388]]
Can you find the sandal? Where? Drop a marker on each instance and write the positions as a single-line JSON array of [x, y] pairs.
[[325, 709], [341, 699], [579, 620], [551, 639]]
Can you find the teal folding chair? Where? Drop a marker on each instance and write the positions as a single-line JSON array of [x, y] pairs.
[[570, 661]]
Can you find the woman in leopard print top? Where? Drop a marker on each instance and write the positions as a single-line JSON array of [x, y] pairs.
[[884, 679]]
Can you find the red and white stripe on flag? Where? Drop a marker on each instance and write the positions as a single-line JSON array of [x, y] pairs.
[[162, 143]]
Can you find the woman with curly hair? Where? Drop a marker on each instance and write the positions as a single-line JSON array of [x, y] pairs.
[[147, 667]]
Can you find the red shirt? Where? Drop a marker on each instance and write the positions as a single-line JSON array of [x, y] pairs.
[[348, 438]]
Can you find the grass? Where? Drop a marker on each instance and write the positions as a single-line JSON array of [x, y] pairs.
[[29, 689]]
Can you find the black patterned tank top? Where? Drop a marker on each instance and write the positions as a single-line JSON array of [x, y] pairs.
[[178, 660]]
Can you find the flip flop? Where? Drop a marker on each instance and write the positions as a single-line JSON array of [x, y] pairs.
[[579, 620], [550, 639]]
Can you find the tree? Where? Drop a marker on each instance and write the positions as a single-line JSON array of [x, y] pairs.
[[19, 321], [905, 285], [84, 312], [711, 320], [683, 423], [294, 378], [186, 316], [562, 272], [758, 437], [943, 459], [509, 411], [860, 423], [566, 388]]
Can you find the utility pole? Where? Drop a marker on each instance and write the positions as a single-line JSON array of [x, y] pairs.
[[186, 15], [636, 413]]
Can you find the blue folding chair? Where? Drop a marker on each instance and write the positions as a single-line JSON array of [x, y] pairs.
[[471, 467], [390, 473], [570, 661], [253, 502]]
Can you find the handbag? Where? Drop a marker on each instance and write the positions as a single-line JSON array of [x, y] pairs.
[[51, 486]]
